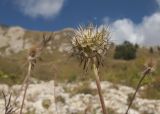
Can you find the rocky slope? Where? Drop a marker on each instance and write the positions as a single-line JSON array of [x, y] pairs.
[[16, 39], [41, 100]]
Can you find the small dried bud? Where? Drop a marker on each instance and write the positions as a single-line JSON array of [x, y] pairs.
[[32, 51], [150, 66], [35, 51]]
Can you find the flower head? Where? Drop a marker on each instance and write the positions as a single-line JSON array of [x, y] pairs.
[[91, 43]]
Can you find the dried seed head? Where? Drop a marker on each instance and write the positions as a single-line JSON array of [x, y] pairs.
[[150, 66], [35, 51], [33, 54], [91, 42], [32, 51]]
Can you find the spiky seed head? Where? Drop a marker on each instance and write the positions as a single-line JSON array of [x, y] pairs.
[[91, 42], [91, 39]]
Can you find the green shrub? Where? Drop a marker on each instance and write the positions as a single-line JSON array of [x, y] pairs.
[[46, 103], [151, 50], [72, 78], [158, 48], [60, 99], [126, 51], [84, 88]]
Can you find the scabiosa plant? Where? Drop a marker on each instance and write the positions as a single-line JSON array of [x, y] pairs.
[[90, 43]]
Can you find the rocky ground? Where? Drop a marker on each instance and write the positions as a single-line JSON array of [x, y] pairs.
[[40, 99]]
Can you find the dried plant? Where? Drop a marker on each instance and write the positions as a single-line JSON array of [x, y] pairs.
[[33, 55], [149, 67], [90, 44], [9, 107]]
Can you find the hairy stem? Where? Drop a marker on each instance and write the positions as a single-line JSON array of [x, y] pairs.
[[137, 88], [99, 89], [26, 87]]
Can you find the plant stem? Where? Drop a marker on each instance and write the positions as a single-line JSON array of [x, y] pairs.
[[26, 87], [21, 89], [99, 89], [137, 88]]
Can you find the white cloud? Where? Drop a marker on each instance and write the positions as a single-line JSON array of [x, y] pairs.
[[40, 8], [158, 2], [145, 33]]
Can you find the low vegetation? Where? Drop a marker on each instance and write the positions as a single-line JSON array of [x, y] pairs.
[[67, 69]]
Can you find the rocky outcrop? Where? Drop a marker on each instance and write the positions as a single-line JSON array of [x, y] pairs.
[[16, 39]]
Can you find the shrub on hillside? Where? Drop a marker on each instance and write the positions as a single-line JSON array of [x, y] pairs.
[[158, 48], [126, 51], [151, 50]]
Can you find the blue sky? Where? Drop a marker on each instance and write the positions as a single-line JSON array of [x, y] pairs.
[[133, 20], [70, 13]]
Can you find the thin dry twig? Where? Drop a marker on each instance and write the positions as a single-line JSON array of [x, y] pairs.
[[9, 107]]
